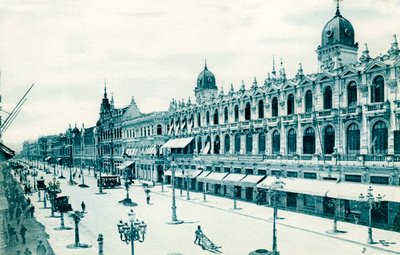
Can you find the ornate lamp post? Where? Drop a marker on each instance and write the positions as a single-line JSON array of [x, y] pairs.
[[136, 231], [52, 189], [372, 202], [174, 219], [274, 193]]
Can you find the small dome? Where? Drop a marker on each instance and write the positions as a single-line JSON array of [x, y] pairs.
[[338, 31], [206, 79]]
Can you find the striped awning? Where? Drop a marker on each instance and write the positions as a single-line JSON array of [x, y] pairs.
[[177, 143]]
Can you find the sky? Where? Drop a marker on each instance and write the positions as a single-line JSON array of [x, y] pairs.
[[154, 50]]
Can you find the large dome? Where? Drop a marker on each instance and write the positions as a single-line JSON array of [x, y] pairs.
[[338, 31], [206, 79]]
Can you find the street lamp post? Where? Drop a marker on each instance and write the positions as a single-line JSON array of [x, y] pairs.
[[274, 194], [372, 202], [52, 190], [174, 219], [136, 231]]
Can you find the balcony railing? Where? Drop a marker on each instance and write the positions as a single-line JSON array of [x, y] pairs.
[[352, 109], [375, 107], [325, 113]]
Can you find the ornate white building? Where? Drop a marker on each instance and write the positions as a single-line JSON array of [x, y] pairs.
[[336, 126]]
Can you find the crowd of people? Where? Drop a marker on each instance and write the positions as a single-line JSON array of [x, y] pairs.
[[20, 211]]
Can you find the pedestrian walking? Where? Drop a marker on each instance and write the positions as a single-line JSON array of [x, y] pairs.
[[32, 210], [83, 206], [40, 249], [198, 234], [27, 252], [147, 196], [12, 236], [22, 232], [18, 212]]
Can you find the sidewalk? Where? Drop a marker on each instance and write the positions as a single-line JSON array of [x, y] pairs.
[[35, 230], [352, 233]]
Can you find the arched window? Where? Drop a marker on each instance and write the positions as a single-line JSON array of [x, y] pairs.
[[216, 117], [328, 98], [237, 143], [352, 94], [199, 145], [290, 105], [309, 141], [261, 143], [199, 120], [353, 139], [249, 143], [377, 90], [208, 145], [247, 112], [159, 129], [226, 115], [276, 142], [208, 118], [260, 109], [379, 138], [309, 101], [292, 141], [217, 145], [329, 140], [236, 113], [227, 143], [275, 107]]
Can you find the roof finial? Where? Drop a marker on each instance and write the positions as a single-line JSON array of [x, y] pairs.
[[273, 65], [337, 8], [205, 64], [105, 88]]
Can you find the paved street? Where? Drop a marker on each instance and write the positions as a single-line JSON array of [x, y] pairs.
[[237, 231]]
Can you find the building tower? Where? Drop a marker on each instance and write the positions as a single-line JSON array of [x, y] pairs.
[[337, 42], [105, 105], [205, 88]]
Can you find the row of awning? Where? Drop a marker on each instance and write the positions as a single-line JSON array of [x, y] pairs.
[[341, 190], [219, 178], [151, 150]]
